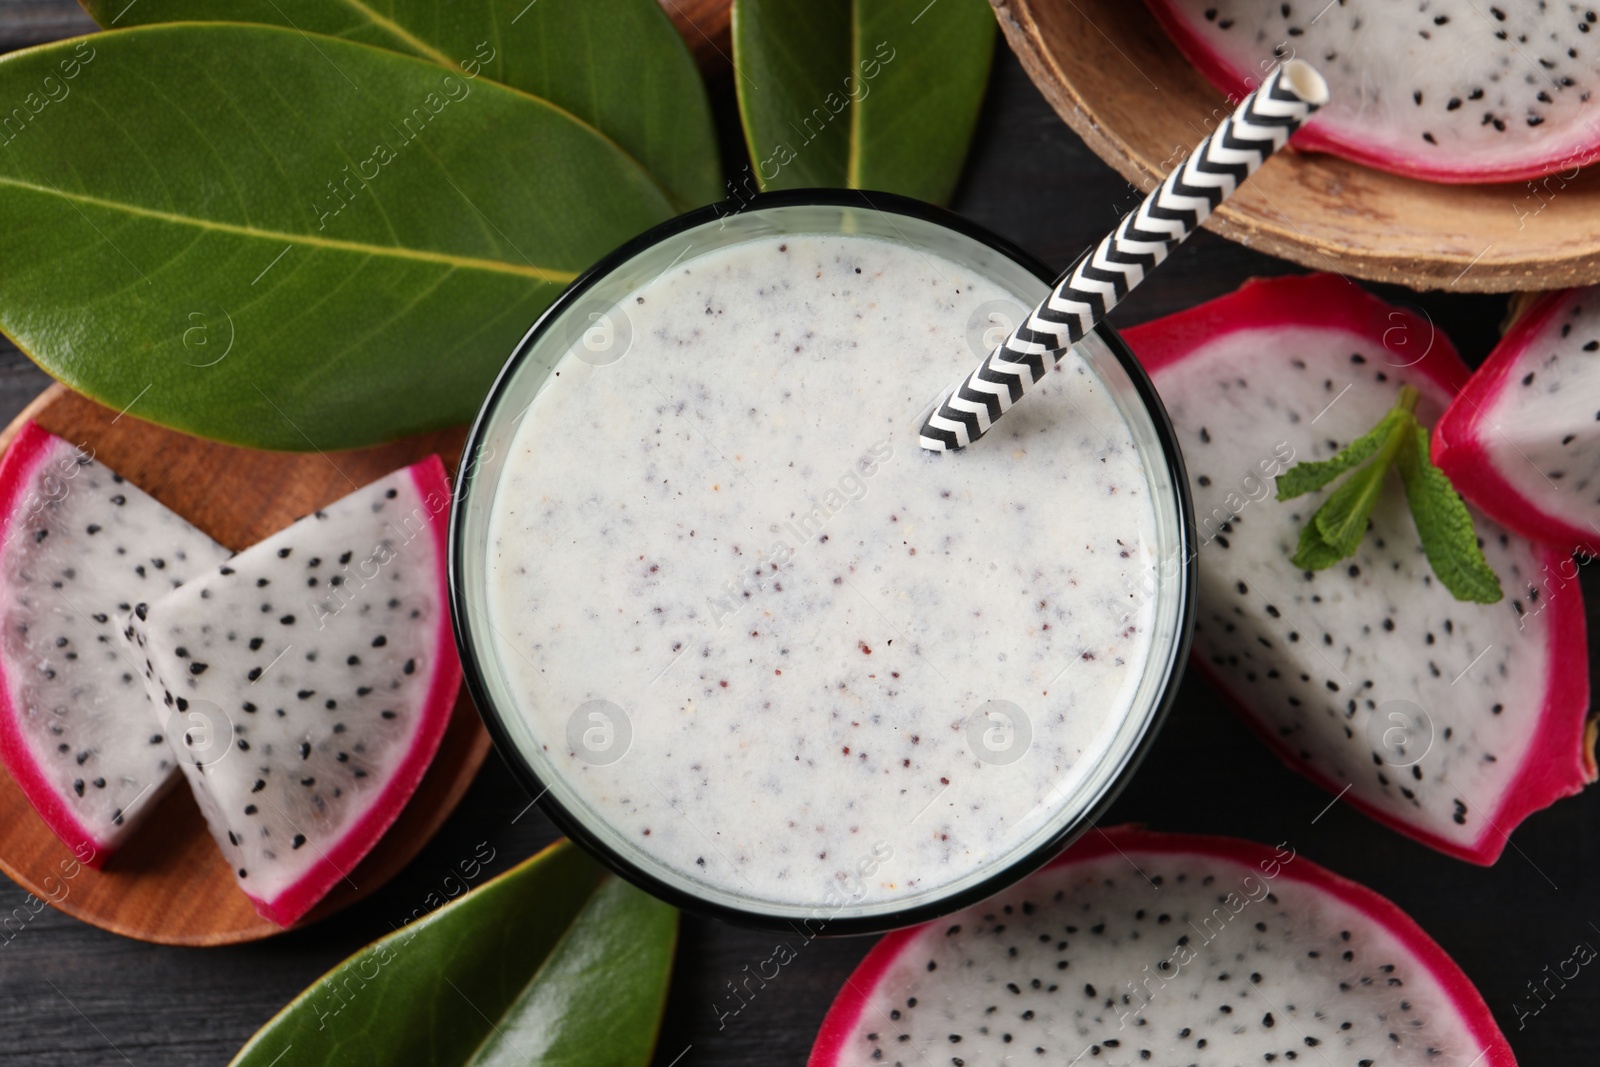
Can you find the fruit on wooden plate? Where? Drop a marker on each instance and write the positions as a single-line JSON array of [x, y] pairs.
[[1445, 90], [306, 684], [80, 545]]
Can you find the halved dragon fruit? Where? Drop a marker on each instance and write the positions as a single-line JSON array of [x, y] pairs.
[[307, 682], [80, 545], [1135, 947], [1444, 90], [1522, 439], [1449, 721]]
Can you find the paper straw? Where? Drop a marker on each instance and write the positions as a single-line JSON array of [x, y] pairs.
[[1260, 126]]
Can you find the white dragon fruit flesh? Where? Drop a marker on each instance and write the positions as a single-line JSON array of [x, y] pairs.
[[1522, 439], [1445, 90], [81, 545], [1136, 948], [1448, 721], [306, 684]]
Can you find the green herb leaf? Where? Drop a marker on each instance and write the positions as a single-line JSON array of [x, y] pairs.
[[548, 963], [1342, 519], [1313, 553], [1443, 523], [1311, 475], [1445, 526], [868, 94], [618, 65], [289, 241]]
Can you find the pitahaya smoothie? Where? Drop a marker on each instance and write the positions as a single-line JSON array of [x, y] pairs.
[[774, 654]]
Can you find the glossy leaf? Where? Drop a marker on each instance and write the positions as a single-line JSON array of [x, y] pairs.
[[289, 241], [618, 65], [869, 94], [548, 963]]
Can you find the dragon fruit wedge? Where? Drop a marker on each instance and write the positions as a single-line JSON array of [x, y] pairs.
[[1449, 721], [80, 546], [312, 677], [1136, 948], [1522, 440], [1440, 89]]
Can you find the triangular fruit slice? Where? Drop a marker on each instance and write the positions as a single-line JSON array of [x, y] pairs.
[[80, 545], [1522, 440], [1449, 721], [307, 683], [1138, 948]]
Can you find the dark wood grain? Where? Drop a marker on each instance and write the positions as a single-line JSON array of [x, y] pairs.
[[71, 994]]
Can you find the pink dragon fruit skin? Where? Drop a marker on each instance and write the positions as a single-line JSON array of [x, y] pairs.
[[1070, 963], [1507, 440], [1545, 639]]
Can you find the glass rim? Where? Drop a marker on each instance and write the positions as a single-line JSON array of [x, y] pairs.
[[476, 648]]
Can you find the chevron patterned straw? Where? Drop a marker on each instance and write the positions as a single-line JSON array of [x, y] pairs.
[[1260, 126]]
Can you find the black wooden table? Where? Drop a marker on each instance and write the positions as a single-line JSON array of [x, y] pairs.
[[72, 994]]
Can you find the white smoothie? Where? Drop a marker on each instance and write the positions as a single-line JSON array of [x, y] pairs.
[[729, 538]]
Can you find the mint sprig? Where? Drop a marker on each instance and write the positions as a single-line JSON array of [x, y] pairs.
[[1442, 520]]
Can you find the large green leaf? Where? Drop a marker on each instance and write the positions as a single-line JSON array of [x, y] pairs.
[[548, 963], [869, 94], [618, 65], [289, 241]]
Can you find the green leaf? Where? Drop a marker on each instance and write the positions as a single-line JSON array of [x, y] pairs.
[[1313, 553], [1445, 526], [868, 94], [548, 963], [618, 65], [1342, 519], [289, 241], [1311, 475]]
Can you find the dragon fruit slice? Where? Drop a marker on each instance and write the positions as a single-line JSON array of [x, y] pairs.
[[1522, 439], [1449, 721], [312, 677], [1135, 947], [80, 545], [1447, 91]]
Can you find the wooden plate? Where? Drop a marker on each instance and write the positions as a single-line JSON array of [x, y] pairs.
[[704, 24], [170, 883], [1109, 70]]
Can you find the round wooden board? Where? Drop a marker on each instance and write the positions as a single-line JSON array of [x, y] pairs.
[[1110, 71], [169, 883]]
